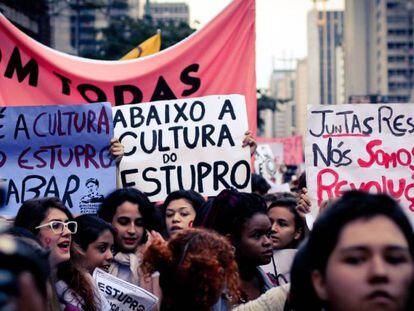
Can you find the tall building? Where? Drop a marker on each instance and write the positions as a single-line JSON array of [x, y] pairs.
[[29, 16], [77, 24], [325, 34], [301, 96], [340, 75], [379, 53], [282, 121], [176, 12]]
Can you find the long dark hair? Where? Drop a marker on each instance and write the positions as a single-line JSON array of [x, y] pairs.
[[90, 227], [108, 208], [194, 198], [231, 209], [34, 211], [290, 204], [29, 216], [353, 205]]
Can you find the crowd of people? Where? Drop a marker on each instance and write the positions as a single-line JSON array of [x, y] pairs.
[[236, 251]]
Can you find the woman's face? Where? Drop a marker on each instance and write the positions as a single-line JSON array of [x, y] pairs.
[[370, 268], [179, 215], [129, 227], [255, 247], [284, 231], [99, 253], [57, 243]]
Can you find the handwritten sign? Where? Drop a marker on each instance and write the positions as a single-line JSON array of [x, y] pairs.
[[60, 151], [184, 144], [364, 146], [121, 295]]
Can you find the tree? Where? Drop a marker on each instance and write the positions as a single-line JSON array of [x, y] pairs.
[[123, 35], [264, 102]]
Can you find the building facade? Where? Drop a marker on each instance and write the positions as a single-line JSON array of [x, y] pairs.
[[325, 34], [77, 24], [379, 53], [282, 121], [29, 16], [301, 96], [175, 12]]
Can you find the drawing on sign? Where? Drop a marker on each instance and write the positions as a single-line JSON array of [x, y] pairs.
[[53, 151]]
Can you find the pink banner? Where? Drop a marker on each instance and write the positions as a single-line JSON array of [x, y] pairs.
[[292, 148], [218, 59]]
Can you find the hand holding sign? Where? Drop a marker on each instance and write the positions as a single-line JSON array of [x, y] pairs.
[[249, 140], [116, 149]]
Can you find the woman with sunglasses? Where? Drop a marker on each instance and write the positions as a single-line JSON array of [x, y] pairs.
[[54, 225]]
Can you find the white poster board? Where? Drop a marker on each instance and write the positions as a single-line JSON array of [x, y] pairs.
[[121, 295], [193, 143], [361, 146]]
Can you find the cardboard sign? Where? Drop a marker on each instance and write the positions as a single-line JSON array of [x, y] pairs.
[[367, 147], [217, 59], [60, 151], [184, 144], [121, 295]]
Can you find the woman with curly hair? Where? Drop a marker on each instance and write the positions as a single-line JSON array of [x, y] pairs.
[[197, 269]]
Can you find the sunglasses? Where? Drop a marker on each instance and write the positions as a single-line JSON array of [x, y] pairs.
[[59, 226]]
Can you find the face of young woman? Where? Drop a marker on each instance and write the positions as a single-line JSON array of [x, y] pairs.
[[255, 245], [284, 232], [179, 215], [370, 268], [129, 227], [57, 243], [99, 253]]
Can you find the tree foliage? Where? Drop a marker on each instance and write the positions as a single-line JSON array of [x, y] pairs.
[[123, 35]]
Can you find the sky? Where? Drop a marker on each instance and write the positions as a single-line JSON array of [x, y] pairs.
[[280, 29]]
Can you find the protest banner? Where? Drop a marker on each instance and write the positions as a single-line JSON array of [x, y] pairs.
[[184, 144], [364, 146], [60, 151], [217, 59], [292, 148], [121, 295]]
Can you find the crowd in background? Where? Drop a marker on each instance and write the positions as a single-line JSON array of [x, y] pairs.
[[241, 251]]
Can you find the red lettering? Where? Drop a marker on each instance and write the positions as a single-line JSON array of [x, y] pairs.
[[21, 161], [329, 188], [402, 157], [368, 148], [330, 185]]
